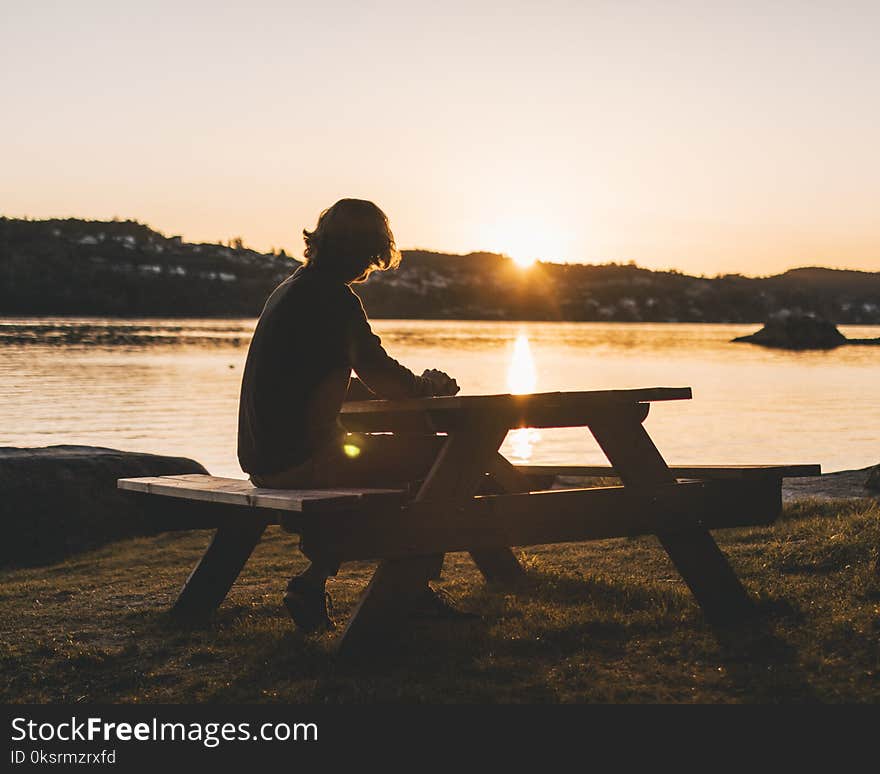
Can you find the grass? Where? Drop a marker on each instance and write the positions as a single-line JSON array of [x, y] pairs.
[[597, 622]]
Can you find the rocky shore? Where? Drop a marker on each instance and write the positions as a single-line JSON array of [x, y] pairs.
[[60, 500]]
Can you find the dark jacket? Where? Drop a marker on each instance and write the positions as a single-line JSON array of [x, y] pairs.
[[313, 331]]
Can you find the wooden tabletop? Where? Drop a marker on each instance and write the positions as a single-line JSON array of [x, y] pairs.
[[540, 409], [484, 402]]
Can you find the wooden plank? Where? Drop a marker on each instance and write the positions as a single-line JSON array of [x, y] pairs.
[[681, 471], [205, 484], [232, 491], [397, 583], [446, 415], [694, 552], [539, 518]]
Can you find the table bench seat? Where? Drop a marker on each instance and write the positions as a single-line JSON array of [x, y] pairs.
[[235, 491], [679, 471]]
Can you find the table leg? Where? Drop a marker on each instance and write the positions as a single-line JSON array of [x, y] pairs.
[[500, 565], [694, 552], [397, 583], [210, 581]]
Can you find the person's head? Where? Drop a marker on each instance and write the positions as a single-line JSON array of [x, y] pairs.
[[351, 240]]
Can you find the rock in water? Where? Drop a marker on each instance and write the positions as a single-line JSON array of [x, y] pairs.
[[59, 500], [791, 331]]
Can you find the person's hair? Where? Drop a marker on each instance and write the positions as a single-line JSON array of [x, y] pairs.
[[352, 239]]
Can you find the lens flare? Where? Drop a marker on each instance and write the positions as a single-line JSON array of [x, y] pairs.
[[351, 450]]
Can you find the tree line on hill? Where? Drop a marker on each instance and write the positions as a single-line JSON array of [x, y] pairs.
[[126, 269]]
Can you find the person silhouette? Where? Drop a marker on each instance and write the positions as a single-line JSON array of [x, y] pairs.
[[312, 333]]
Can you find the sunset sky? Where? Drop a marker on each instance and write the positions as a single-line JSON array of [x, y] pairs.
[[706, 136]]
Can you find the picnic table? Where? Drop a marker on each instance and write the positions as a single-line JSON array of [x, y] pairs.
[[473, 499]]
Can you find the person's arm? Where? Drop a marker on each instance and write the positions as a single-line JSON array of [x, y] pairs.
[[380, 372]]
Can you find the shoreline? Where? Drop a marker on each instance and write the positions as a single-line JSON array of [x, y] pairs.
[[828, 487], [233, 331]]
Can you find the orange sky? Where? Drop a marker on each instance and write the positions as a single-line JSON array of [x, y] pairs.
[[710, 137]]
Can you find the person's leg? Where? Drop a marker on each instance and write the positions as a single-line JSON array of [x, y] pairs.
[[358, 461], [374, 461], [306, 596]]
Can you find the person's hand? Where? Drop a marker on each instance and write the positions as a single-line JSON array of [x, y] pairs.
[[442, 382]]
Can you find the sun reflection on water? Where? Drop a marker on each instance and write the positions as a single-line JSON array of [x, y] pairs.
[[522, 377], [521, 374]]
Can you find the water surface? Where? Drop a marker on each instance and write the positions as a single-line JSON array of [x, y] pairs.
[[171, 386]]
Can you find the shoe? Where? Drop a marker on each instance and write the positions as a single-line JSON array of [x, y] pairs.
[[434, 603], [309, 605]]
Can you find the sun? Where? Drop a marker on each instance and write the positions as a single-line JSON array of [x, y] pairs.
[[525, 240], [524, 261]]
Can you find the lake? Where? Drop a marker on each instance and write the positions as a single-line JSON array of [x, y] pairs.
[[171, 386]]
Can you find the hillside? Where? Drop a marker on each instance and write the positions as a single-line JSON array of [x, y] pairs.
[[125, 268]]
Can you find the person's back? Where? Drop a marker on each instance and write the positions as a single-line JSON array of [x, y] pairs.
[[296, 373]]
